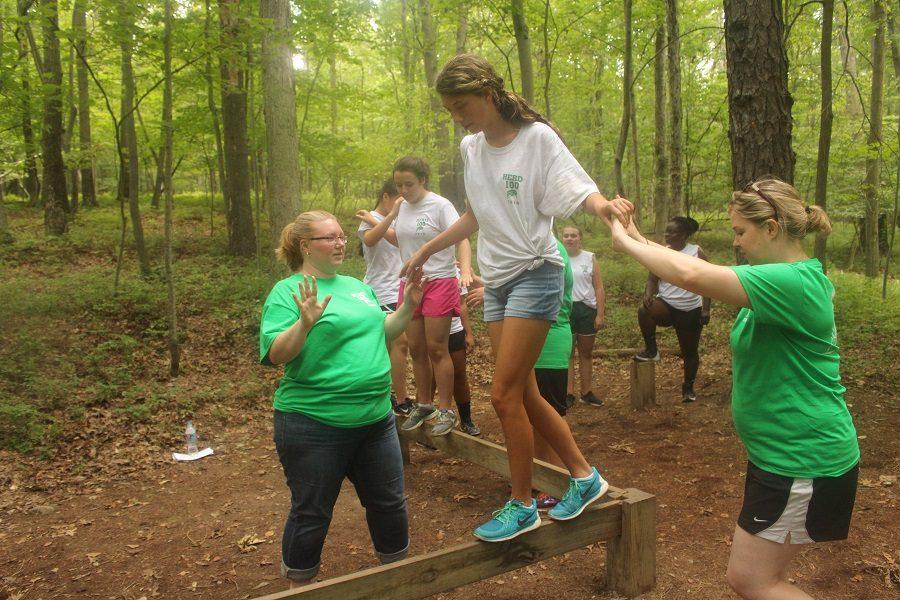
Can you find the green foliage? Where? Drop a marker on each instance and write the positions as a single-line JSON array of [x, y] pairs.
[[22, 426]]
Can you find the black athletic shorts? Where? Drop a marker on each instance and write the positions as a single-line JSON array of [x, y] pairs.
[[457, 341], [389, 308], [686, 320], [552, 384], [809, 510]]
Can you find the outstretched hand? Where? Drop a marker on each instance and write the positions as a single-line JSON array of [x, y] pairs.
[[416, 261], [308, 304], [618, 209], [619, 235], [412, 290]]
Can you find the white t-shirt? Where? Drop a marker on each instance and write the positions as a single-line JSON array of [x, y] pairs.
[[418, 224], [677, 297], [583, 272], [383, 265], [515, 192]]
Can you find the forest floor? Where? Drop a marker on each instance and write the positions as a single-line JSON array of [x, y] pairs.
[[103, 511]]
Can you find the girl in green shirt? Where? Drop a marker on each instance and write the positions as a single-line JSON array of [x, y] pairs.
[[787, 398]]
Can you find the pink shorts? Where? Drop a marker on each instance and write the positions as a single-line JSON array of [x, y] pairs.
[[440, 298]]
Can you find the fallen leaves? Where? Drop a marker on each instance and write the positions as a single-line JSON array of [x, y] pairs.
[[249, 542]]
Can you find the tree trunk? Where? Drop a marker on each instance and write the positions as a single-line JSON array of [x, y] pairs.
[[597, 171], [873, 159], [636, 162], [626, 103], [825, 120], [660, 157], [442, 136], [462, 34], [85, 152], [166, 160], [159, 181], [32, 181], [759, 103], [70, 128], [214, 113], [55, 201], [523, 43], [280, 108], [676, 139], [333, 102], [848, 61], [130, 171], [241, 238]]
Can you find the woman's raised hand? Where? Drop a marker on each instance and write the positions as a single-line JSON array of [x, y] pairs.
[[395, 210], [416, 261], [412, 290], [619, 235], [618, 209], [308, 303]]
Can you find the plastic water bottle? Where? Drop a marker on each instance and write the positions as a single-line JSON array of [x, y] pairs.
[[190, 438]]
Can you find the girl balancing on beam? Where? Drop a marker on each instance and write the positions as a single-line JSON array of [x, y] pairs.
[[787, 398], [519, 175]]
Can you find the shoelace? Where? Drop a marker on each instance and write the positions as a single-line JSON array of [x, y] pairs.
[[572, 491], [505, 515]]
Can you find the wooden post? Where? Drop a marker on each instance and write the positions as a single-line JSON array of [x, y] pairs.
[[643, 383], [631, 557]]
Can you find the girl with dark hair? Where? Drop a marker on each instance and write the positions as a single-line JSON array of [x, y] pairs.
[[667, 305], [787, 400], [379, 249], [519, 176]]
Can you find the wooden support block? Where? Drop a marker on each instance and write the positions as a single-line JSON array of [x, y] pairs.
[[643, 383], [435, 572], [546, 477], [631, 558]]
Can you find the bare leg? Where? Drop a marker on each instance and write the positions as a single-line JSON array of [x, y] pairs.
[[585, 361], [554, 429], [689, 342], [460, 379], [570, 384], [437, 330], [756, 569], [418, 350], [543, 451], [399, 350]]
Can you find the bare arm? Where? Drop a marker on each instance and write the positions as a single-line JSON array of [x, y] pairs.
[[693, 274], [396, 322], [464, 255], [707, 301], [600, 293], [288, 344], [380, 229]]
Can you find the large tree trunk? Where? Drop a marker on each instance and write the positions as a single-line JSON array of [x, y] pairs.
[[660, 158], [280, 108], [462, 34], [523, 44], [597, 170], [241, 238], [214, 113], [825, 120], [759, 103], [55, 201], [635, 161], [130, 172], [166, 160], [70, 129], [85, 152], [676, 139], [626, 103], [441, 134], [873, 159]]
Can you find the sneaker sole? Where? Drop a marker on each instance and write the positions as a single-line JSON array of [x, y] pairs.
[[603, 489], [592, 403], [434, 433], [417, 425], [532, 527], [639, 359]]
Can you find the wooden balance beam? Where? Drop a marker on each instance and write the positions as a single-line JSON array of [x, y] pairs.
[[626, 519]]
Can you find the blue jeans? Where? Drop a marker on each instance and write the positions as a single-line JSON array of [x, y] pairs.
[[316, 458], [535, 294]]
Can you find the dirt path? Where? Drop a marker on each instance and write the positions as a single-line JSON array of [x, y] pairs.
[[154, 528]]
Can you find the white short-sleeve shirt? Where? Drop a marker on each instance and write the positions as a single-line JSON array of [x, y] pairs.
[[382, 265], [418, 224], [515, 192]]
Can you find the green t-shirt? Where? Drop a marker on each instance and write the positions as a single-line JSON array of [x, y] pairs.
[[787, 399], [342, 376], [558, 346]]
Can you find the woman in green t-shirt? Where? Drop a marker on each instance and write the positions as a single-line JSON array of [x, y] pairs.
[[787, 398], [333, 416]]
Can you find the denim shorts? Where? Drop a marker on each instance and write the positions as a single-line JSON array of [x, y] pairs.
[[535, 294]]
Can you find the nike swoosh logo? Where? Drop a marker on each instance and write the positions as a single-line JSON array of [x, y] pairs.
[[524, 521], [760, 520]]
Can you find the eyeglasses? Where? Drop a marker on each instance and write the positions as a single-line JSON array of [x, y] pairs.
[[752, 186], [334, 239]]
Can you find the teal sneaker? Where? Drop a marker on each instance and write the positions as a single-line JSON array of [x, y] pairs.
[[512, 520], [580, 494]]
